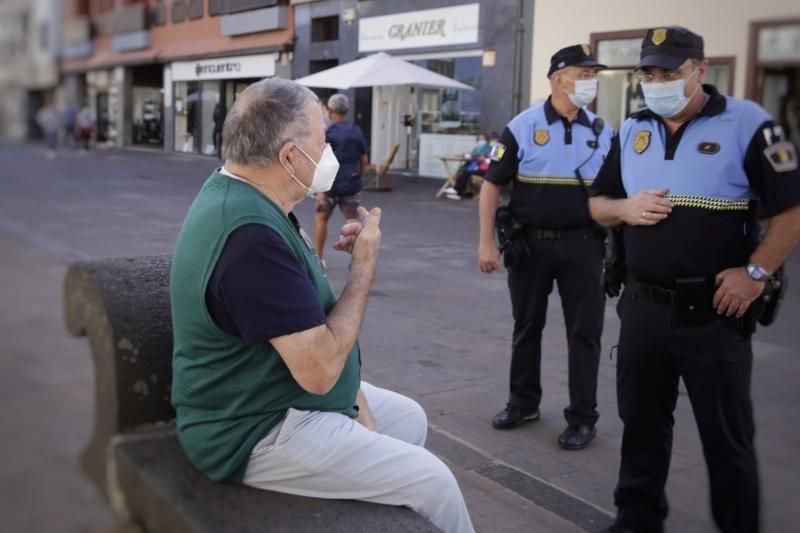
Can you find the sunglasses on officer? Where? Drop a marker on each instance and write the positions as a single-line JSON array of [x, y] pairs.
[[651, 75]]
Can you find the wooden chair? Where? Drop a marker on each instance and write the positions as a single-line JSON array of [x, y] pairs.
[[476, 181], [380, 182]]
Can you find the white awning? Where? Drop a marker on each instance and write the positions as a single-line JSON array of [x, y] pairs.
[[379, 70]]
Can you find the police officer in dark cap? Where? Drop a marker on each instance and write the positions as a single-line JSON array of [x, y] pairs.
[[549, 153], [683, 179]]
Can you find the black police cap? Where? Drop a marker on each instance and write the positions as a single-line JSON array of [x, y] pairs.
[[579, 55], [669, 47]]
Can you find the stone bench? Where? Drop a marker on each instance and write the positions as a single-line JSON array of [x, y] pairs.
[[133, 456]]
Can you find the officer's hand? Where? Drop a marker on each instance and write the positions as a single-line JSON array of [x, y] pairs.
[[489, 257], [646, 208], [368, 241], [735, 292]]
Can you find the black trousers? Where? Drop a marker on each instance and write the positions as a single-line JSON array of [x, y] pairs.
[[576, 265], [715, 362]]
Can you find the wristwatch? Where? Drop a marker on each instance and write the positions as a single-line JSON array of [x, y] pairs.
[[756, 272]]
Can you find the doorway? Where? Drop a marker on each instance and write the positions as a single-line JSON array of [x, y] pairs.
[[147, 109], [780, 96], [390, 106]]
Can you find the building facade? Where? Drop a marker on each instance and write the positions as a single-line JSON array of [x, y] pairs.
[[483, 43], [163, 74], [29, 39], [753, 49]]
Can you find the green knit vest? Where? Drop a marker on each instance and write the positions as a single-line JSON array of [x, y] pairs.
[[228, 395]]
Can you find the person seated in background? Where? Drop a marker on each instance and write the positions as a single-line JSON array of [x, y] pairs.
[[477, 163]]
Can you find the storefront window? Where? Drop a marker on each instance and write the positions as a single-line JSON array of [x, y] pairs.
[[779, 43], [719, 75], [618, 95], [200, 111], [147, 115], [187, 123], [452, 111], [619, 52], [211, 98]]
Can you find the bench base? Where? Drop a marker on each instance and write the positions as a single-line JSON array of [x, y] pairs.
[[163, 492]]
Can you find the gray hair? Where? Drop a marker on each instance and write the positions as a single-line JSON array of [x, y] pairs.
[[339, 104], [266, 115]]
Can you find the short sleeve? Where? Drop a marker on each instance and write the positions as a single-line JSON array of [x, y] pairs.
[[259, 290], [362, 141], [609, 179], [504, 163], [772, 168]]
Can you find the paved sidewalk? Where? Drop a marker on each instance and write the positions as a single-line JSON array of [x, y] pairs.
[[436, 329]]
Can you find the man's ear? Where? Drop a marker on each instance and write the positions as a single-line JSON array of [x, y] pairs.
[[703, 69], [286, 157]]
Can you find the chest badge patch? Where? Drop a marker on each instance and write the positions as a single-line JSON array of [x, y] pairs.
[[641, 141], [708, 148], [541, 137]]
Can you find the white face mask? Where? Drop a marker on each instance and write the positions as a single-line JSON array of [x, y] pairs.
[[667, 99], [324, 173], [585, 92]]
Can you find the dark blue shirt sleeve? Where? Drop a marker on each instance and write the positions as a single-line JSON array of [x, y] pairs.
[[609, 179], [504, 167], [259, 290], [772, 169]]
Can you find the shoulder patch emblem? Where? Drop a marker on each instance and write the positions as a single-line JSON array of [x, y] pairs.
[[541, 137], [708, 148], [498, 151], [782, 156], [641, 141], [659, 36]]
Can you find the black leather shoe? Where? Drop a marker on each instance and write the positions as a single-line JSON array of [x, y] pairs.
[[576, 437], [616, 529], [513, 416]]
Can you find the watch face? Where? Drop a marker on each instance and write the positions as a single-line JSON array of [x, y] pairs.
[[756, 272]]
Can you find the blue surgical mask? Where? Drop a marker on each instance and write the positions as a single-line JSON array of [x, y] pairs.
[[669, 98], [585, 92]]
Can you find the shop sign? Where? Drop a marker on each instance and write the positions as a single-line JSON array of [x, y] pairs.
[[224, 68], [418, 29]]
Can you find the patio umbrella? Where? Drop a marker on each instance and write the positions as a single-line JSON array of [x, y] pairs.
[[379, 70]]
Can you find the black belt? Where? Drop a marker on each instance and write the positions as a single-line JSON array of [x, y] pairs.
[[554, 234], [652, 292]]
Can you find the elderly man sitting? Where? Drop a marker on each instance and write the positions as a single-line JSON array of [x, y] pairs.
[[266, 364]]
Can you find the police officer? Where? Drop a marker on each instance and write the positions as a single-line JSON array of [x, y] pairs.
[[547, 153], [683, 177]]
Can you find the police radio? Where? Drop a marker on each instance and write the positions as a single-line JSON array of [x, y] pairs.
[[597, 128]]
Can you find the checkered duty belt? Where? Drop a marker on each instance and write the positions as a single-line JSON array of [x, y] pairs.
[[554, 234]]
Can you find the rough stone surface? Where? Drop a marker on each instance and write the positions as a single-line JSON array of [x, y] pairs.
[[166, 494], [122, 305]]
